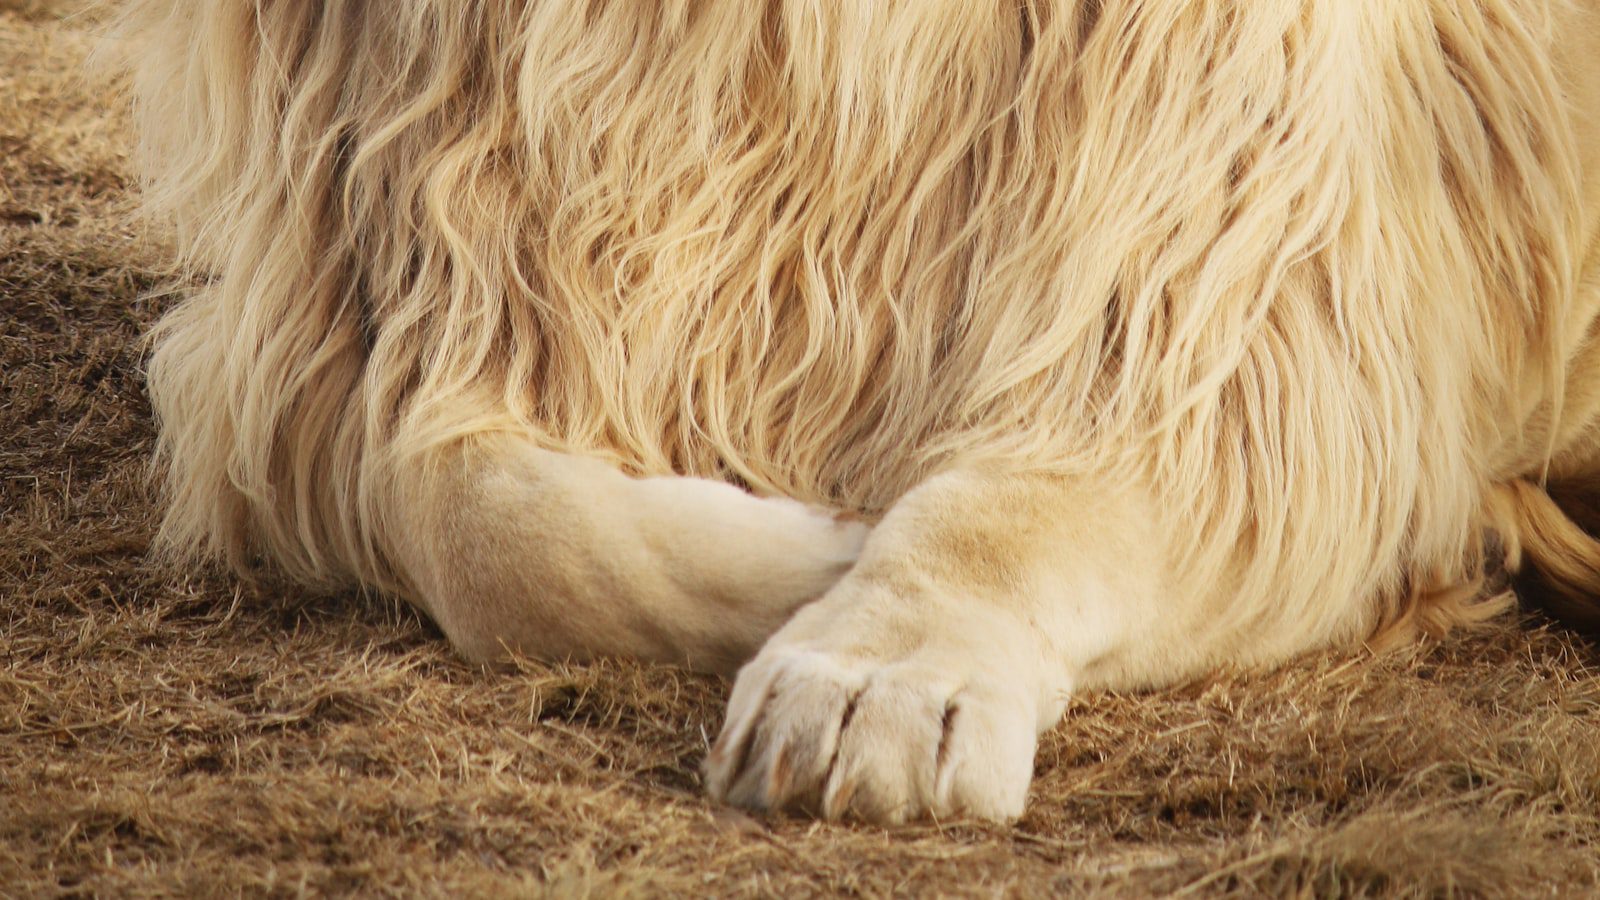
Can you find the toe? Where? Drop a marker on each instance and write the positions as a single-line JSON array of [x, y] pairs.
[[782, 732], [885, 771], [985, 763]]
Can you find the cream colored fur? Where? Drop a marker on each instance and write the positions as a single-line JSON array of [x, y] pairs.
[[1151, 336]]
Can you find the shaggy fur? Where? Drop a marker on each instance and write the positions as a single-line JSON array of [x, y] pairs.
[[1245, 327]]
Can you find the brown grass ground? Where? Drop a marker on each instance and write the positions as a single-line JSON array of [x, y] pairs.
[[175, 734]]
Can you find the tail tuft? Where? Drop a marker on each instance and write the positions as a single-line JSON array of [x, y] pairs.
[[1551, 551]]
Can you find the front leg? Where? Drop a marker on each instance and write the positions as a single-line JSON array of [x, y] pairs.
[[514, 549], [919, 684]]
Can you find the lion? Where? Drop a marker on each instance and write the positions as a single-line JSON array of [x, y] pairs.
[[926, 363]]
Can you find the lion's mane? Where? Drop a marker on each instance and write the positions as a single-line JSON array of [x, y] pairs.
[[1305, 266]]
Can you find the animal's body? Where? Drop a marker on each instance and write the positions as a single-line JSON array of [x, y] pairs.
[[1136, 338]]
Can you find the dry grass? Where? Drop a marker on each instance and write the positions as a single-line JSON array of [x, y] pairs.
[[179, 735]]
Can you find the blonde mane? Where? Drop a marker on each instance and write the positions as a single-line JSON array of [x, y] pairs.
[[1275, 257]]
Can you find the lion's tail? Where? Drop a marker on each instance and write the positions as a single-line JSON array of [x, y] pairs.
[[1550, 548]]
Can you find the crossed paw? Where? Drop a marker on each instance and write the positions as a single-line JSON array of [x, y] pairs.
[[834, 734]]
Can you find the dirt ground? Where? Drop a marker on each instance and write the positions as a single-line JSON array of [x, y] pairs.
[[175, 733]]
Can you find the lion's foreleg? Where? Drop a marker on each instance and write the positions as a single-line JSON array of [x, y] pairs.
[[511, 548], [920, 683]]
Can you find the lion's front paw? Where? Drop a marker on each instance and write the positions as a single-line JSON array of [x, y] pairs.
[[837, 735]]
